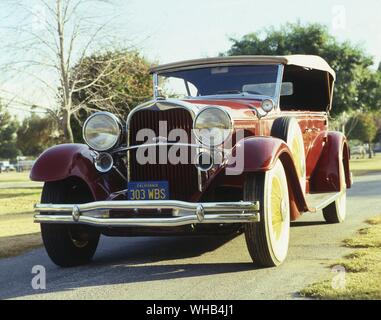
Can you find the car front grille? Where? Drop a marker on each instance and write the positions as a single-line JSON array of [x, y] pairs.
[[182, 178]]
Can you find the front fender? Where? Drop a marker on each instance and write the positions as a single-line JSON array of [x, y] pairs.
[[255, 154], [66, 161], [259, 154], [63, 161]]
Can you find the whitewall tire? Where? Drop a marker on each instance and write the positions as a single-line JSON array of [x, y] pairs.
[[268, 240]]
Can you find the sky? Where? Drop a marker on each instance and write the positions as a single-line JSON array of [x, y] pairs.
[[171, 30], [191, 29]]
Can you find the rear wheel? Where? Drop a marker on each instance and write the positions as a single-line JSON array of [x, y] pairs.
[[337, 211], [268, 240], [288, 130], [67, 245]]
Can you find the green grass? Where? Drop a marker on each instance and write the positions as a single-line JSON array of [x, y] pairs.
[[18, 233], [365, 166], [363, 269], [17, 201], [8, 177], [15, 196], [14, 246]]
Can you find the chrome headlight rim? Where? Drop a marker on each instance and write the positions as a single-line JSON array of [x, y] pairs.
[[231, 125], [117, 123], [272, 105]]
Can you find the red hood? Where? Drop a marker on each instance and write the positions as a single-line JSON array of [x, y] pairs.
[[239, 109]]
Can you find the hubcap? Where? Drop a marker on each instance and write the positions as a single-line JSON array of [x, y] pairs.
[[79, 243]]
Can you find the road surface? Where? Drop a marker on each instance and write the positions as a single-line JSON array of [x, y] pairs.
[[196, 268]]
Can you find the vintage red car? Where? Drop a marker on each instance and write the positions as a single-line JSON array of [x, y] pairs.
[[227, 145]]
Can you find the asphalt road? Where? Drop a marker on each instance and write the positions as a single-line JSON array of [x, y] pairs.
[[196, 268]]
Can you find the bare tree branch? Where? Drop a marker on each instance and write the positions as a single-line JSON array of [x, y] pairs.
[[64, 39]]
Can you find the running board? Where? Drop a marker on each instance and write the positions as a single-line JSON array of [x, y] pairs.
[[318, 201]]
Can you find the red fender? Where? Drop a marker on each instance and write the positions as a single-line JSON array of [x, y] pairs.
[[259, 154], [70, 160], [326, 176]]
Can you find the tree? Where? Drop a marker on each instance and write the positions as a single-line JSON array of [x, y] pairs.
[[118, 92], [66, 34], [128, 85], [364, 128], [36, 134], [8, 128], [354, 77]]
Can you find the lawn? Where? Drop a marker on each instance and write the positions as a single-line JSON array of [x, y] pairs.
[[362, 269], [18, 201], [18, 233], [7, 177], [365, 166]]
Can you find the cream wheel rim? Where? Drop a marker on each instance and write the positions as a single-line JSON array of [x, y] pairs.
[[277, 211]]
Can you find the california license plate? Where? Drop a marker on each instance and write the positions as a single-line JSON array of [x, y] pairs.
[[149, 190]]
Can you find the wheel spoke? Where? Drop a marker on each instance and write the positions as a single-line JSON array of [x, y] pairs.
[[276, 207]]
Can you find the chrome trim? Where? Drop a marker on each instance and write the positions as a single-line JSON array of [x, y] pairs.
[[208, 212], [197, 161], [151, 204], [114, 118], [162, 144], [231, 127], [120, 173], [155, 85], [151, 222], [278, 89], [273, 105], [97, 163]]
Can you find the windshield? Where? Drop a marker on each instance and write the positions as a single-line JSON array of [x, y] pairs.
[[223, 80]]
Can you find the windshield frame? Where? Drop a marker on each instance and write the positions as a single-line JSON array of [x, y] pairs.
[[243, 95]]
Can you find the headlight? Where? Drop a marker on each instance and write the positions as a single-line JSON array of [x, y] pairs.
[[102, 131], [212, 126]]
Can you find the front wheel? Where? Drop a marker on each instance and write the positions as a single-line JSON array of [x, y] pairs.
[[268, 240], [67, 245]]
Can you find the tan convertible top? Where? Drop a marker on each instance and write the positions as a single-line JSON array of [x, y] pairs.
[[305, 61]]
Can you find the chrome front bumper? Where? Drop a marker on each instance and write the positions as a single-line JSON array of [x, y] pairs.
[[183, 213]]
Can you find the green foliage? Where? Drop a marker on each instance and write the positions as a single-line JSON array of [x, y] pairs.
[[123, 83], [36, 134], [362, 127], [8, 129], [356, 85]]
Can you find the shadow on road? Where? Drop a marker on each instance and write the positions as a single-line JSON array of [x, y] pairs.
[[125, 261], [155, 249], [297, 224]]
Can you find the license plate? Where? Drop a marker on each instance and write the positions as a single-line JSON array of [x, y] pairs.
[[149, 190]]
